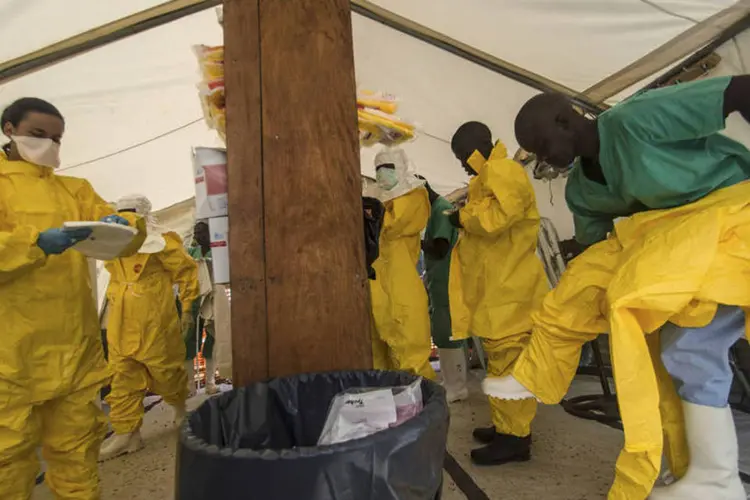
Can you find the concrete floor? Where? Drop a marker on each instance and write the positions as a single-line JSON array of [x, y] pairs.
[[573, 459]]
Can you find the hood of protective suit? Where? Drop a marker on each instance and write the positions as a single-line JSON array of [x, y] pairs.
[[154, 242], [405, 176]]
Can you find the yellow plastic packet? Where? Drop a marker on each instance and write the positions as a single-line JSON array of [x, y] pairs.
[[393, 130], [205, 53], [210, 62], [369, 134], [381, 101]]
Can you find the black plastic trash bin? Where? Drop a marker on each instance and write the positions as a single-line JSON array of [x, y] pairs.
[[259, 442]]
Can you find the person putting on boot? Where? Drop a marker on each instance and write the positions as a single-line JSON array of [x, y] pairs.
[[657, 151], [496, 280], [439, 240]]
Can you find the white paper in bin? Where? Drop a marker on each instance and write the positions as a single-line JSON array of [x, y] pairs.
[[210, 173], [219, 229]]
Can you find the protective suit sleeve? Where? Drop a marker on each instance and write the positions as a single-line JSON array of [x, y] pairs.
[[19, 252], [507, 196], [93, 207], [676, 113], [406, 215], [182, 268], [441, 228], [591, 230]]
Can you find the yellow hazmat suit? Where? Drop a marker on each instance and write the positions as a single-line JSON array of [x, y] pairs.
[[669, 265], [146, 350], [51, 361], [401, 338], [496, 279]]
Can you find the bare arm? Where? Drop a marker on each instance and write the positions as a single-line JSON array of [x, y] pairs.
[[737, 96]]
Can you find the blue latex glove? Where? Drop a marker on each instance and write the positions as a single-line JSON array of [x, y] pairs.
[[115, 219], [56, 241]]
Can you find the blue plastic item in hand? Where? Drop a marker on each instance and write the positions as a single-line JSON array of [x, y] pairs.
[[115, 219], [56, 241]]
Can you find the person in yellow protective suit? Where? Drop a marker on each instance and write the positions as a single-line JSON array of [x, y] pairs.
[[496, 280], [632, 285], [51, 362], [401, 337], [146, 349], [658, 150]]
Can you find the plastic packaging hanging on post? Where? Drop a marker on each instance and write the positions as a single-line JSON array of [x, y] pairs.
[[259, 442]]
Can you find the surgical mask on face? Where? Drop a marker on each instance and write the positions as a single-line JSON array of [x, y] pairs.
[[37, 150], [386, 178]]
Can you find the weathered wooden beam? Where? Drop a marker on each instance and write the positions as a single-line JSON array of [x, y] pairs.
[[299, 286]]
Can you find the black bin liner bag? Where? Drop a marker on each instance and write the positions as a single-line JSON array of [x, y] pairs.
[[260, 442]]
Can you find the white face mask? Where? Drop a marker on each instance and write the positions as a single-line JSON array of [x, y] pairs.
[[387, 178], [39, 151]]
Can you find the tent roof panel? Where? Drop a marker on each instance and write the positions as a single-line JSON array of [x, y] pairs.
[[124, 94], [32, 25], [576, 43]]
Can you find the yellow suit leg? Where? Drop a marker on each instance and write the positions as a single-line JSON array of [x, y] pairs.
[[20, 434], [74, 428], [508, 416], [166, 367], [129, 383]]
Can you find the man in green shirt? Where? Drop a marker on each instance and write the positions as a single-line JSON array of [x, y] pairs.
[[658, 150], [202, 311], [440, 237]]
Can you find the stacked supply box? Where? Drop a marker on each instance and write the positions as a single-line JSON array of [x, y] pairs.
[[210, 173]]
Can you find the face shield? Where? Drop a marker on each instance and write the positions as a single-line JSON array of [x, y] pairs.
[[540, 169], [394, 176]]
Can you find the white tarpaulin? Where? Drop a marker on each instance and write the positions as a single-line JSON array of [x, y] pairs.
[[133, 114]]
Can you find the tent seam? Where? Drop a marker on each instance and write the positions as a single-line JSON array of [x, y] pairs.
[[668, 12]]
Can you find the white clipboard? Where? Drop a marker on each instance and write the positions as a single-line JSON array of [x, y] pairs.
[[106, 242]]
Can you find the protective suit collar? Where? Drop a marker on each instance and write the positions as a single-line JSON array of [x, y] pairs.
[[477, 161], [23, 167]]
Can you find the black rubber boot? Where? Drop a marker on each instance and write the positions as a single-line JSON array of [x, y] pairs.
[[502, 450], [484, 435]]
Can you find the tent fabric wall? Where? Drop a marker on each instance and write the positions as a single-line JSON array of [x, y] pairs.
[[133, 114], [576, 43]]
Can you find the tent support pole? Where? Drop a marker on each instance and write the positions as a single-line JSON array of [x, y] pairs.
[[300, 300], [722, 26], [730, 33]]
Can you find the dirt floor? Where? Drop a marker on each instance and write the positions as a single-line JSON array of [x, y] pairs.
[[573, 459]]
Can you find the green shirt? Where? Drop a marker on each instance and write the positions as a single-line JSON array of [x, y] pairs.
[[437, 270], [196, 252], [660, 149]]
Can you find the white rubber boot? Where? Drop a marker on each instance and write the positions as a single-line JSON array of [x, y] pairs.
[[713, 472], [453, 368], [211, 377], [190, 370], [120, 444], [505, 388]]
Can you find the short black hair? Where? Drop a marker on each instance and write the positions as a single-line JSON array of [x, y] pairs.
[[541, 105], [16, 112], [470, 131]]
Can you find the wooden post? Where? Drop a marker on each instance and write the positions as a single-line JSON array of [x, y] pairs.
[[299, 286]]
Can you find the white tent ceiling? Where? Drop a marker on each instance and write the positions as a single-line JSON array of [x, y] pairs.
[[132, 111]]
